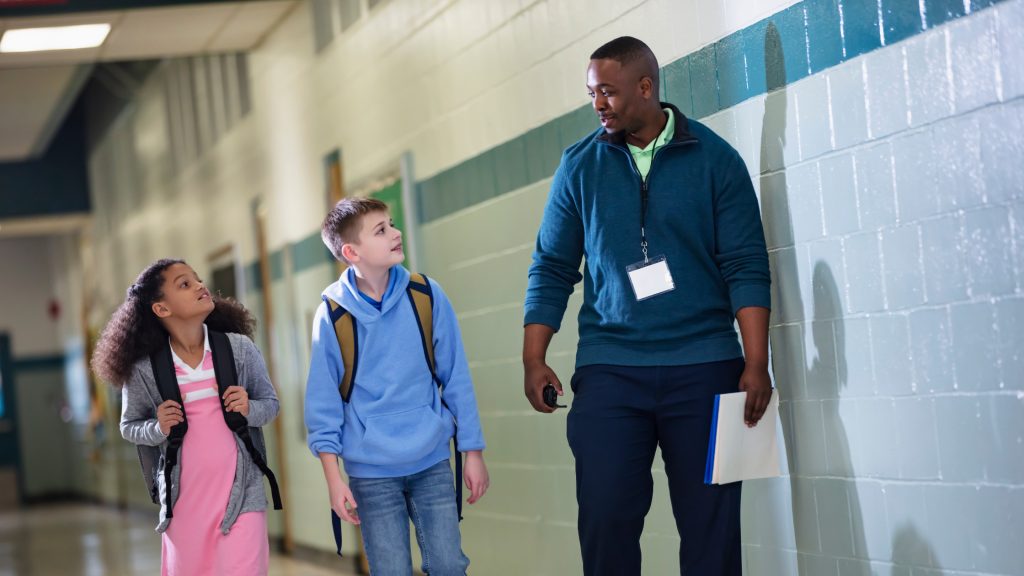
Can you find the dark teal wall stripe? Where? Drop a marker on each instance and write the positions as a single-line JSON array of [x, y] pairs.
[[305, 254], [253, 279], [36, 363], [804, 39], [310, 252]]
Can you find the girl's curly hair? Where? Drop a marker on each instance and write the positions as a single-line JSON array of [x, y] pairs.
[[134, 331]]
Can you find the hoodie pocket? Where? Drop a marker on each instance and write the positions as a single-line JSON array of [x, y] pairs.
[[402, 437]]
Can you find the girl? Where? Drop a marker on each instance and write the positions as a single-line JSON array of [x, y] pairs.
[[219, 523]]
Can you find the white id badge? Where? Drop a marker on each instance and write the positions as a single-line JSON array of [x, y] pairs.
[[650, 278]]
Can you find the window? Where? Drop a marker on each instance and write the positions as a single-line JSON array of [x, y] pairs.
[[206, 96], [331, 18]]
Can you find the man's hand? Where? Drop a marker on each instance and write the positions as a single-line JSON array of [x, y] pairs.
[[753, 321], [236, 399], [476, 476], [758, 386], [539, 375], [168, 414]]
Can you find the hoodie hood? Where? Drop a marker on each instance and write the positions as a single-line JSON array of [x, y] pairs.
[[346, 294]]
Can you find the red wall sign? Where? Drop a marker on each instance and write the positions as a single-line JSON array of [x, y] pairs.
[[13, 3]]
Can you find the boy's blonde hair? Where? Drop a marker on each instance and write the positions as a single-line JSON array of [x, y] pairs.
[[345, 220]]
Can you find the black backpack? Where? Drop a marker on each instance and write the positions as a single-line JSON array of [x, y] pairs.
[[167, 384]]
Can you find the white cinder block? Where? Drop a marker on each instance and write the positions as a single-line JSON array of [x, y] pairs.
[[813, 110], [839, 195], [848, 103], [1009, 21], [1002, 152], [959, 181], [875, 186], [828, 279], [975, 62], [879, 450], [713, 25], [775, 211], [990, 251], [975, 346], [904, 278], [746, 120], [915, 167], [931, 92], [864, 272], [944, 260], [793, 283], [932, 351], [724, 125], [805, 202], [886, 93], [685, 26]]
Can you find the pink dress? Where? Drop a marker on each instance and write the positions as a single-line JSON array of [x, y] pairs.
[[193, 544]]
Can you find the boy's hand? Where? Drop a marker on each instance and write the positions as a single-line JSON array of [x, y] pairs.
[[168, 414], [476, 476], [236, 399], [341, 499]]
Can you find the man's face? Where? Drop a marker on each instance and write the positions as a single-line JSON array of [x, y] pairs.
[[380, 243], [617, 94]]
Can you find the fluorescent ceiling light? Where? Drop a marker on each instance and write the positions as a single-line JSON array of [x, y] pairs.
[[54, 38]]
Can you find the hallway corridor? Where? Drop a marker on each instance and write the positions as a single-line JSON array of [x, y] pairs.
[[88, 540]]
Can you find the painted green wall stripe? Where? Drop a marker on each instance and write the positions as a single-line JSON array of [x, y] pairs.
[[309, 252], [804, 39]]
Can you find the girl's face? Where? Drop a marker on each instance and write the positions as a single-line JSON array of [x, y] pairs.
[[185, 296]]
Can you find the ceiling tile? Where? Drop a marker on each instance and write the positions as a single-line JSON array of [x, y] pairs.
[[27, 98], [249, 25], [158, 32]]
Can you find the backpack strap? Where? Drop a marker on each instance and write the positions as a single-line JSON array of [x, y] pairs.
[[422, 298], [227, 376], [348, 339], [167, 384], [421, 295]]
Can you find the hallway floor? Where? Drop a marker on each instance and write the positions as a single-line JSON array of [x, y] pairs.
[[86, 540]]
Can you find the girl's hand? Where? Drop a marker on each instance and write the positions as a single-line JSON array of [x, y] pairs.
[[236, 399], [341, 496], [168, 414], [476, 476]]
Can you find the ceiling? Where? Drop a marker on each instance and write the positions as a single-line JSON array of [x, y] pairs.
[[38, 88]]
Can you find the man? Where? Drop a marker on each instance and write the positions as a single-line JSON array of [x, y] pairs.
[[665, 213]]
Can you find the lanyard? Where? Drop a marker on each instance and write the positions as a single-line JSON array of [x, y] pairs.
[[644, 200]]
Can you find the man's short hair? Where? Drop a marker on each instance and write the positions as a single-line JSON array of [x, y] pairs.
[[631, 52], [344, 222]]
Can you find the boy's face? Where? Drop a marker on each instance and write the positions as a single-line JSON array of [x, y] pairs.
[[380, 243]]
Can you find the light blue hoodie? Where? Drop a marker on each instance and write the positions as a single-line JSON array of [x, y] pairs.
[[394, 423]]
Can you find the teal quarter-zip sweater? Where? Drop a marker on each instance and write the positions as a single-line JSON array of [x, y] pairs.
[[702, 215]]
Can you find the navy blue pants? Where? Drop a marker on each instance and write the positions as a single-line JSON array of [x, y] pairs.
[[619, 416]]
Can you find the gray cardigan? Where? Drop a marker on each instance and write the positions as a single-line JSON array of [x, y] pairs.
[[141, 397]]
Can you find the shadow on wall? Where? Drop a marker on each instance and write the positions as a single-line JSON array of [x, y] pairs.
[[827, 516], [907, 545]]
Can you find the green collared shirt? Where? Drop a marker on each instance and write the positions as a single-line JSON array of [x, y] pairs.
[[644, 157]]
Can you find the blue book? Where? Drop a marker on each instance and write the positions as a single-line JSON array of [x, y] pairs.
[[710, 466]]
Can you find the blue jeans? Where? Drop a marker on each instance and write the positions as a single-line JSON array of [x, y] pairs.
[[428, 498]]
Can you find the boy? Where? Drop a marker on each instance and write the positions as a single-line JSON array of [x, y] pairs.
[[386, 417]]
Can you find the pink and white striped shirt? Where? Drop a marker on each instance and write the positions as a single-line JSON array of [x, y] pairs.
[[194, 544]]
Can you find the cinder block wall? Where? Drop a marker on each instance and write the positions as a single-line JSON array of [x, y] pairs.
[[884, 139]]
